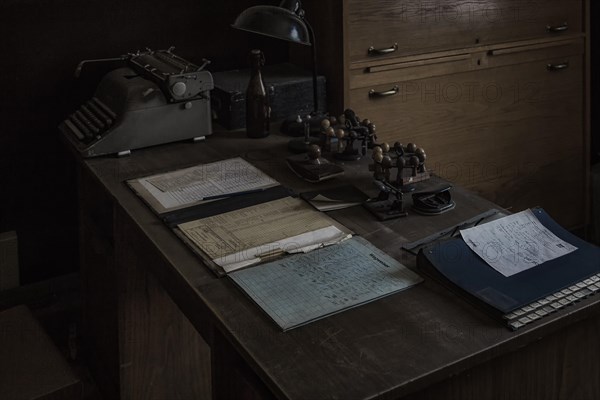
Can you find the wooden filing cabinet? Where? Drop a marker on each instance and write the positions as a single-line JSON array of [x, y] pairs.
[[494, 91]]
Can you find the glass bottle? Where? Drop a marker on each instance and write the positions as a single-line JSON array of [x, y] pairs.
[[257, 101]]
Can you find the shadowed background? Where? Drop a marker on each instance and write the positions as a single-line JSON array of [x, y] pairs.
[[42, 42]]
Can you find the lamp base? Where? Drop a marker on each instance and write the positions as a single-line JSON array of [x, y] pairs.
[[292, 127]]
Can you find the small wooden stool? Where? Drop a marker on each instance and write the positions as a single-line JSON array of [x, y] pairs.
[[31, 367]]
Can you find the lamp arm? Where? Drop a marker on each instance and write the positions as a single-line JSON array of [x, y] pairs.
[[313, 46]]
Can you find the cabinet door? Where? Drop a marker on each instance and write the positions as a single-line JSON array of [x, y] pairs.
[[383, 29], [513, 133]]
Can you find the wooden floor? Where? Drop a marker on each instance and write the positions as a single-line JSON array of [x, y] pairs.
[[62, 321], [56, 304]]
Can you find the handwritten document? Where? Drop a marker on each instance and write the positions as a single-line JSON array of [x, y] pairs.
[[190, 185], [246, 236], [301, 288], [515, 243]]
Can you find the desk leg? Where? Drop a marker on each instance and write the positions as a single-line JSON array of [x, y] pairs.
[[232, 378], [162, 354], [139, 344], [99, 283]]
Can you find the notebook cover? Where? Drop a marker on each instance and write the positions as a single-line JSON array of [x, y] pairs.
[[457, 263]]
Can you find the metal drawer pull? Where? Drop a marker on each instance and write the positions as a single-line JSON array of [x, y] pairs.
[[391, 92], [376, 52], [557, 29], [557, 67]]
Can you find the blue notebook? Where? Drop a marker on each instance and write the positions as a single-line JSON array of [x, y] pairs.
[[544, 288]]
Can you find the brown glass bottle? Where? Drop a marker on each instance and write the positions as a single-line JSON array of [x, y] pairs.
[[257, 101]]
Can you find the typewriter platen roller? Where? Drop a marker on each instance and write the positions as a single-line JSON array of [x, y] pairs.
[[155, 98]]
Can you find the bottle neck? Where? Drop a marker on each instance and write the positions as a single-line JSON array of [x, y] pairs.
[[257, 61]]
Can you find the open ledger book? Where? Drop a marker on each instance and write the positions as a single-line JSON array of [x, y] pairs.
[[296, 263]]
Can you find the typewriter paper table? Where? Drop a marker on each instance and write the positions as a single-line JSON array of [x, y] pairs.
[[161, 325]]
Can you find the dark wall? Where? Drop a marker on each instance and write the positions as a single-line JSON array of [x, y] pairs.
[[595, 89], [41, 44]]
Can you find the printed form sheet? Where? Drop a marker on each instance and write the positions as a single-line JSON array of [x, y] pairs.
[[304, 287], [246, 236], [515, 243], [190, 185]]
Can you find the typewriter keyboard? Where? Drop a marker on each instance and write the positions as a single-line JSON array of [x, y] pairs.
[[91, 120], [554, 302]]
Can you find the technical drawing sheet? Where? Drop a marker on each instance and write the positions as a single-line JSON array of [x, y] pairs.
[[515, 243]]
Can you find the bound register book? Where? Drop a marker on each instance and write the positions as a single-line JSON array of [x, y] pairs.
[[522, 297], [297, 263]]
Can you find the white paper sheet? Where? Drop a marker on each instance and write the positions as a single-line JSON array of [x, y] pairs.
[[515, 243], [191, 185], [250, 235], [302, 243]]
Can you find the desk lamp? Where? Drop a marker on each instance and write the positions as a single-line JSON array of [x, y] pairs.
[[285, 22]]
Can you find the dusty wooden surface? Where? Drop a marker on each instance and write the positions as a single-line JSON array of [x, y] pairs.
[[389, 348]]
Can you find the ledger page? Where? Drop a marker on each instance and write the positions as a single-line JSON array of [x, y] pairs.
[[260, 230], [305, 287], [187, 186]]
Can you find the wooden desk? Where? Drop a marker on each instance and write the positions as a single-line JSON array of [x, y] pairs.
[[154, 313]]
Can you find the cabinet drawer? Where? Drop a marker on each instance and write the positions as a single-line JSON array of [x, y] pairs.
[[411, 68], [445, 63], [500, 131], [379, 29]]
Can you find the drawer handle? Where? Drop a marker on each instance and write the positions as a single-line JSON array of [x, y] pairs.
[[557, 67], [391, 92], [557, 29], [377, 52]]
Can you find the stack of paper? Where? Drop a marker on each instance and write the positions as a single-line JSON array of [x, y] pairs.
[[335, 198]]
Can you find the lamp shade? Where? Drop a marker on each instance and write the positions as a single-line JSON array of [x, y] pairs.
[[277, 22]]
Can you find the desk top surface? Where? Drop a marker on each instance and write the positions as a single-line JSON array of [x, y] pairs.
[[385, 349]]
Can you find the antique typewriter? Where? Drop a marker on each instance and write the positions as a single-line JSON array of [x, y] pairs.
[[155, 98]]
